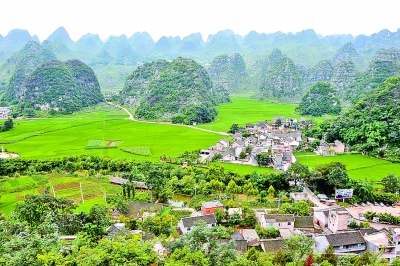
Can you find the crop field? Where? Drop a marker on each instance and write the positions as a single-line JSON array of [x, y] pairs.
[[93, 190], [244, 110], [358, 166], [102, 144]]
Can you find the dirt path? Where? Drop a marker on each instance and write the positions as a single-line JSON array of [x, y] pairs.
[[167, 123]]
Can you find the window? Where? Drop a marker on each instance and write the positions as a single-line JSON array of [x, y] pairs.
[[188, 229], [289, 223], [213, 225], [279, 224], [271, 224], [359, 245], [341, 247]]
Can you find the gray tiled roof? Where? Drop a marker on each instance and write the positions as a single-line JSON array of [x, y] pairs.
[[118, 180], [303, 222], [272, 218], [212, 204], [346, 238], [237, 236], [273, 245], [190, 221]]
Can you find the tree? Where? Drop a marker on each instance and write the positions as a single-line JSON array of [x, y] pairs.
[[232, 189], [183, 257], [271, 192], [8, 124], [234, 128], [298, 172], [220, 215], [34, 210], [329, 256], [242, 155], [263, 159], [338, 177], [391, 183], [299, 245]]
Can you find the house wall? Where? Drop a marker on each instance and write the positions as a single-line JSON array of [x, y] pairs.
[[319, 218], [184, 230], [337, 222], [358, 248], [210, 210], [339, 148], [276, 225]]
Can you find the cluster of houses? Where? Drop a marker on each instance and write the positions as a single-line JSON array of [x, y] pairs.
[[277, 139], [4, 111], [328, 226]]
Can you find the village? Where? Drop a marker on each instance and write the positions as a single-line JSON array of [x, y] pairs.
[[328, 224], [268, 143]]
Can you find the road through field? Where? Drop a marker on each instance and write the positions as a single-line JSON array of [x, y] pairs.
[[169, 123]]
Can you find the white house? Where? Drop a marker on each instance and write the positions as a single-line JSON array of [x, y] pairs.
[[187, 224]]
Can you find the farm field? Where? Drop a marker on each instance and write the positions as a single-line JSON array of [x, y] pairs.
[[244, 110], [358, 166], [93, 188]]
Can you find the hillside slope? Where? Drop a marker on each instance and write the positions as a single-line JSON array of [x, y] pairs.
[[62, 86]]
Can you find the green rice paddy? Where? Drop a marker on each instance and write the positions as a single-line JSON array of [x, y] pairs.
[[244, 110]]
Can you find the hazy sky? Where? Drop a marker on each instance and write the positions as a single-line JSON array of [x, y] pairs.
[[174, 17]]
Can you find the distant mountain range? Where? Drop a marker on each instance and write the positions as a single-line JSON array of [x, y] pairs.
[[308, 51]]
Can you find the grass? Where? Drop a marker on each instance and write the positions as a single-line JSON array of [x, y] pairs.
[[358, 166], [244, 110]]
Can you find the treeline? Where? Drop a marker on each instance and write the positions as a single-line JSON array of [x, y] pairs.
[[371, 125]]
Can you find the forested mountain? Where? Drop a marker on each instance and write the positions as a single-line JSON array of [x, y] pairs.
[[372, 122], [136, 85], [282, 81], [61, 86], [181, 91], [229, 72], [321, 98], [21, 65], [306, 49], [385, 64]]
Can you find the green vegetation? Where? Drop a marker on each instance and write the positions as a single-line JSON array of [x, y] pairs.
[[359, 166], [180, 91], [65, 87], [282, 81], [372, 122], [21, 65], [320, 99], [229, 72], [385, 64], [244, 110]]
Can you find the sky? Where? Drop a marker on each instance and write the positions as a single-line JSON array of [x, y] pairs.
[[183, 17]]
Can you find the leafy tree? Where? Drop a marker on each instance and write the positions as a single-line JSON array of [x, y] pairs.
[[234, 128], [220, 215], [299, 208], [183, 257], [299, 245], [298, 172], [8, 124], [242, 155], [329, 256], [338, 177], [391, 183], [232, 189], [263, 159], [35, 209]]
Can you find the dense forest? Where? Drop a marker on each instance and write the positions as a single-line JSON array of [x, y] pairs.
[[180, 91], [61, 86], [372, 123], [320, 99]]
